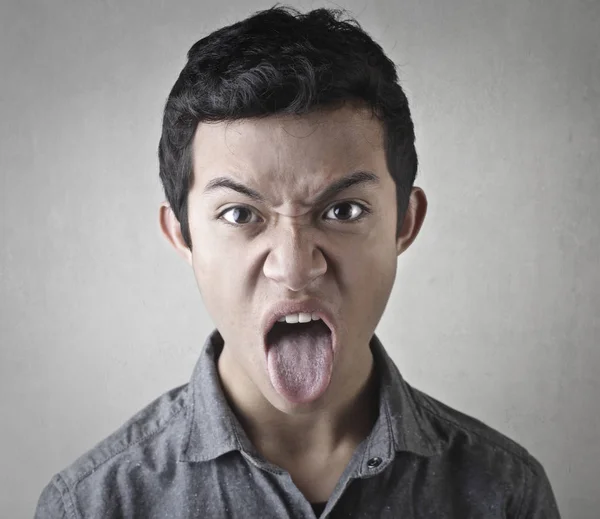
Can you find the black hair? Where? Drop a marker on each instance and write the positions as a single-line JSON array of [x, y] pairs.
[[280, 61]]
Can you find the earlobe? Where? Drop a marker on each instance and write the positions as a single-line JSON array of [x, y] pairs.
[[171, 230], [413, 220]]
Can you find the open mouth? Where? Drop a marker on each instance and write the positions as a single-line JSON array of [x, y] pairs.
[[300, 359], [311, 331]]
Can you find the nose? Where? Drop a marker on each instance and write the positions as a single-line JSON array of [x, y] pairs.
[[294, 260]]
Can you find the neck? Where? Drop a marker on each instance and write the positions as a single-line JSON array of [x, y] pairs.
[[335, 426]]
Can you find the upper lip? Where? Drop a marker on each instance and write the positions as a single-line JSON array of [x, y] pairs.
[[309, 306]]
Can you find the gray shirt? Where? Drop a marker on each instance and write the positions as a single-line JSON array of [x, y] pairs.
[[187, 456]]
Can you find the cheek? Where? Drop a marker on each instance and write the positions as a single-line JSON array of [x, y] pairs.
[[369, 275], [219, 275]]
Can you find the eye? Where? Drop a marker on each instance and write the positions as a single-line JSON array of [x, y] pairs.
[[346, 212], [239, 215]]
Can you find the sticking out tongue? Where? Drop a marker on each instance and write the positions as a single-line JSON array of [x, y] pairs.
[[300, 360]]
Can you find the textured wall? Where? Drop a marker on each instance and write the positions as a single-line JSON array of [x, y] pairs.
[[495, 310]]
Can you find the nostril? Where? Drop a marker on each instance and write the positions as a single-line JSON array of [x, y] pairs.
[[295, 264]]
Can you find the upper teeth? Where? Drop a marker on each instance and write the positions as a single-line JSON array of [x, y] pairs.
[[301, 317]]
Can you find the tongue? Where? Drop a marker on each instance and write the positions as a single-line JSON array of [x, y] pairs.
[[300, 362]]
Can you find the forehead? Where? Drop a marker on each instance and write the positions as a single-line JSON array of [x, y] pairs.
[[324, 143]]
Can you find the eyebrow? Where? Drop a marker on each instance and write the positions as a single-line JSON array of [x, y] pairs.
[[354, 179], [234, 185]]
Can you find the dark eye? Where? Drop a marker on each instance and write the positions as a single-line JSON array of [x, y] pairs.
[[345, 212], [240, 215]]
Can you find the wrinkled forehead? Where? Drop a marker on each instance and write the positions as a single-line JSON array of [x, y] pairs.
[[320, 146]]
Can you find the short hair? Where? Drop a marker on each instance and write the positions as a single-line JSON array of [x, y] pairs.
[[280, 61]]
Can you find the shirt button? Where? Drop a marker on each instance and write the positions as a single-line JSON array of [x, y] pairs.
[[374, 462]]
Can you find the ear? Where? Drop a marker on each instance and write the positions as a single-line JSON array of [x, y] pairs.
[[413, 219], [171, 229]]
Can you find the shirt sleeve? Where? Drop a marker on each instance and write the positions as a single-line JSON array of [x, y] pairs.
[[50, 504], [538, 500]]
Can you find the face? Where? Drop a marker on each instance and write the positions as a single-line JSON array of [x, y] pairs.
[[289, 210]]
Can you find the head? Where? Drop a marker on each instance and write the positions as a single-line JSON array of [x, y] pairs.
[[288, 161]]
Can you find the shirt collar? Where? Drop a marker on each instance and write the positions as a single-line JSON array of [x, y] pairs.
[[401, 425], [213, 429]]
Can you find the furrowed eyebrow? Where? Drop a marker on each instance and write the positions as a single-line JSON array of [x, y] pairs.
[[354, 179], [228, 183]]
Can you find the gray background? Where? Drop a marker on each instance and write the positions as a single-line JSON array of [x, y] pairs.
[[495, 310]]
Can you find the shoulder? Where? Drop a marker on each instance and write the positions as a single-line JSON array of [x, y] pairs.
[[481, 461], [151, 433], [462, 434]]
